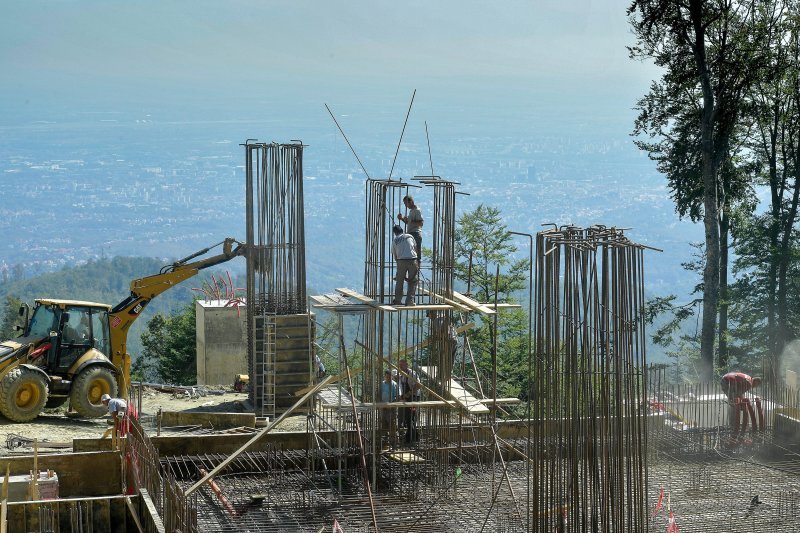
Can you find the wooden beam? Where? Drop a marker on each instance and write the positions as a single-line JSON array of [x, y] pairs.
[[364, 299], [214, 471], [134, 514], [458, 393], [392, 308], [473, 304], [152, 511], [455, 304]]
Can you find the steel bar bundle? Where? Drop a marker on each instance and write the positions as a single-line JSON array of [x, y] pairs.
[[275, 228], [589, 445]]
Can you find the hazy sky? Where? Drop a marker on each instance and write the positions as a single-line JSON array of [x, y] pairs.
[[83, 51]]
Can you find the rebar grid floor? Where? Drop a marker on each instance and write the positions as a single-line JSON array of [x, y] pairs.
[[708, 489], [722, 493], [285, 498]]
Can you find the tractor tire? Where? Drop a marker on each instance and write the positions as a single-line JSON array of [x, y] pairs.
[[54, 402], [88, 388], [23, 393]]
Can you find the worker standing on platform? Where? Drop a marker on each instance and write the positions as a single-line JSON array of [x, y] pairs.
[[414, 222], [405, 257], [409, 390], [388, 394]]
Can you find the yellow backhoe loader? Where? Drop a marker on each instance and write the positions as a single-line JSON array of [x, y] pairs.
[[77, 351]]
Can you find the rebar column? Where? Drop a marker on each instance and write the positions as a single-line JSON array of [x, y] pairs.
[[276, 269], [589, 428]]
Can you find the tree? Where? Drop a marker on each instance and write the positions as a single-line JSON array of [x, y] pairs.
[[169, 347], [767, 247], [11, 318], [483, 247], [708, 53]]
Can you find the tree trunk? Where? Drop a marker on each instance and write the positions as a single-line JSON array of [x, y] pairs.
[[710, 204], [724, 235]]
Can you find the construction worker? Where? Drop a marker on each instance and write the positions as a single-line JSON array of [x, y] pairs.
[[414, 222], [409, 391], [735, 385], [405, 256], [117, 407], [388, 394]]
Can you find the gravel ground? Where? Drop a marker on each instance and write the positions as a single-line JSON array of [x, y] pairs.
[[56, 426]]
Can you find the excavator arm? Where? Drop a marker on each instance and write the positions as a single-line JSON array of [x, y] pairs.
[[143, 290]]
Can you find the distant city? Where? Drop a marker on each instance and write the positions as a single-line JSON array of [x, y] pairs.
[[93, 185]]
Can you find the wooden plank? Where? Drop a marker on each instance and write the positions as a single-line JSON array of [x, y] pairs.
[[472, 304], [364, 299], [134, 514], [453, 303], [501, 401], [324, 383], [152, 511], [458, 393], [423, 307], [328, 303], [503, 306], [405, 457]]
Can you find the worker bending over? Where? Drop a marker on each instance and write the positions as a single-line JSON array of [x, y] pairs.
[[735, 385]]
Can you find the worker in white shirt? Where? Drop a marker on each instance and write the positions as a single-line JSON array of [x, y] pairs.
[[405, 255]]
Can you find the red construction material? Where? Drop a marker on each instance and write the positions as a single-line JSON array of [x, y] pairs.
[[216, 490]]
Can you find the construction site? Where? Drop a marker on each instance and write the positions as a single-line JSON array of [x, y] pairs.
[[599, 441]]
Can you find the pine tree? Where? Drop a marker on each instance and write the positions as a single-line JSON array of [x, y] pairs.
[[483, 237]]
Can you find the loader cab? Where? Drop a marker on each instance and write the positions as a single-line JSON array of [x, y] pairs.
[[73, 328]]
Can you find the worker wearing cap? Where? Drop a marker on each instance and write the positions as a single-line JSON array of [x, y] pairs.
[[414, 223], [117, 407], [405, 255]]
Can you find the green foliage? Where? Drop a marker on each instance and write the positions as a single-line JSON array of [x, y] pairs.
[[169, 348], [10, 318], [693, 120], [482, 235], [725, 113]]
